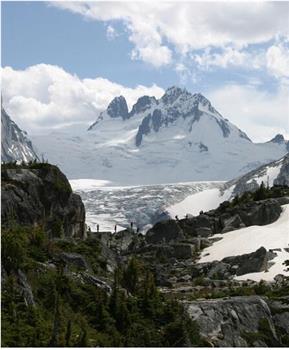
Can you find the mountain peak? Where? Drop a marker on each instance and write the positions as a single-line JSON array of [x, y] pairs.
[[142, 104], [279, 138], [200, 98], [173, 93], [118, 108]]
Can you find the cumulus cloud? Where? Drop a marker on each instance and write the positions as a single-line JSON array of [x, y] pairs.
[[45, 96], [260, 113], [160, 30], [278, 60]]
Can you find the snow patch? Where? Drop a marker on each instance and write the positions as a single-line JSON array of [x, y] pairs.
[[87, 184], [249, 239], [204, 200]]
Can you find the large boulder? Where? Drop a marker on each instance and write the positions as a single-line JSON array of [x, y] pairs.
[[165, 231], [261, 212], [234, 322], [234, 265], [41, 195], [248, 263]]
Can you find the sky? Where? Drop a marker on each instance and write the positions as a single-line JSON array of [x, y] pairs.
[[63, 62]]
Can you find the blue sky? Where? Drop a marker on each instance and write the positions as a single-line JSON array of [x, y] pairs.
[[34, 32], [235, 54]]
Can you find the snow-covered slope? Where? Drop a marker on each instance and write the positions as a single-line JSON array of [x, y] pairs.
[[15, 145], [177, 138], [249, 239], [274, 173]]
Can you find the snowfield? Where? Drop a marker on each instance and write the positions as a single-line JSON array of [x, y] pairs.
[[249, 239], [193, 204]]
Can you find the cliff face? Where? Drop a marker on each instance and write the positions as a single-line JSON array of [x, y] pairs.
[[15, 145], [40, 194]]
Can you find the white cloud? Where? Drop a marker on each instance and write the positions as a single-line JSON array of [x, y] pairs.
[[229, 57], [261, 114], [158, 28], [278, 60], [156, 55], [111, 33], [46, 96]]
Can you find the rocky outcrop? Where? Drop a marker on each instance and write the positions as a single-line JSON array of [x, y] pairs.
[[247, 263], [41, 195], [228, 218], [235, 322], [118, 108], [234, 265], [165, 231]]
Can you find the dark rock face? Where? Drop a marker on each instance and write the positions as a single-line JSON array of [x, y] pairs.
[[283, 176], [224, 127], [42, 196], [15, 145], [142, 104], [118, 108], [143, 129], [234, 265], [260, 213], [278, 139], [202, 225], [225, 322], [172, 94], [247, 263], [165, 231]]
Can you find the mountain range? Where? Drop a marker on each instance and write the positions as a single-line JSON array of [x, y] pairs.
[[178, 138]]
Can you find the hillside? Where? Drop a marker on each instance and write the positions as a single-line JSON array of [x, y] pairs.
[[129, 289]]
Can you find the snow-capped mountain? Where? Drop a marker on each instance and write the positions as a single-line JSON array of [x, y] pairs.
[[15, 145], [179, 137]]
